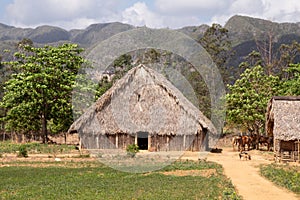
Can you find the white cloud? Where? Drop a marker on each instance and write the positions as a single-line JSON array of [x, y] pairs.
[[156, 14], [287, 11], [58, 12], [191, 6], [140, 15], [247, 7]]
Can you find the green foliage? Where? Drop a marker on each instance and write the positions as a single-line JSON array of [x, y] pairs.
[[34, 147], [201, 92], [291, 85], [288, 177], [103, 86], [230, 194], [248, 97], [119, 68], [98, 181], [217, 43], [41, 89], [132, 149], [23, 151], [289, 54]]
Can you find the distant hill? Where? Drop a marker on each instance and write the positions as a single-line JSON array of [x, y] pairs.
[[243, 29], [245, 33]]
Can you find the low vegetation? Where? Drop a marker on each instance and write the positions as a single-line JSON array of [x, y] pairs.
[[34, 147], [285, 176], [132, 150], [80, 180]]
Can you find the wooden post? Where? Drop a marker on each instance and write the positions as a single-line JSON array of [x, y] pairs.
[[184, 140], [97, 142], [80, 144], [136, 139], [167, 145], [149, 141], [117, 140], [298, 151]]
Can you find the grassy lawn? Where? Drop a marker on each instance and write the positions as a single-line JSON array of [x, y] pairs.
[[34, 147], [93, 180], [285, 176]]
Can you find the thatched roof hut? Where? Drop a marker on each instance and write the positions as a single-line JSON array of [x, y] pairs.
[[143, 105], [283, 117], [283, 123]]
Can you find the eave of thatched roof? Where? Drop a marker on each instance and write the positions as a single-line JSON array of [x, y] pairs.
[[283, 117], [143, 100], [286, 98]]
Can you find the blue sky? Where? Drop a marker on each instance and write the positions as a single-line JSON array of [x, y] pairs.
[[70, 14]]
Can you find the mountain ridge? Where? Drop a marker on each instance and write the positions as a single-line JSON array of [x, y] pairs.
[[244, 32]]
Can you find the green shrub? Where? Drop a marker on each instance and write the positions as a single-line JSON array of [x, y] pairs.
[[23, 151], [230, 194], [132, 149]]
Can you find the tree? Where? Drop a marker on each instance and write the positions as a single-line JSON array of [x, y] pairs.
[[217, 43], [291, 86], [40, 92], [276, 59], [24, 42], [118, 69], [248, 97], [289, 54]]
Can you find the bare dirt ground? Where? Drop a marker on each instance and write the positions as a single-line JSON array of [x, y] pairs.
[[245, 174], [246, 178]]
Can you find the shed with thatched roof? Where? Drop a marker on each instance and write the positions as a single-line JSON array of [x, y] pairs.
[[143, 108], [283, 123]]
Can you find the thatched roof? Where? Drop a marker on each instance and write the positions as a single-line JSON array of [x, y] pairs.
[[143, 100], [283, 117]]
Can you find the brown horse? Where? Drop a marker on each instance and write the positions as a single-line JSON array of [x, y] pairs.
[[236, 141], [246, 140], [267, 141]]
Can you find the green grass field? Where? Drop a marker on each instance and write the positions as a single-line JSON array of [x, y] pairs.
[[93, 180], [285, 176], [34, 147]]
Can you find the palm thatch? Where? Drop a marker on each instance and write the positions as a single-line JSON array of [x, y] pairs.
[[283, 118], [143, 100]]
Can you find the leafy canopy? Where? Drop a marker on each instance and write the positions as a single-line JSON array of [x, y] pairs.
[[248, 97], [39, 93], [291, 85]]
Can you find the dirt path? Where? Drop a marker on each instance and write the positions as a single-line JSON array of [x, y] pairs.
[[245, 176]]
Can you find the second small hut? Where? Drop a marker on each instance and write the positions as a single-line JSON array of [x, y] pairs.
[[283, 123], [143, 108]]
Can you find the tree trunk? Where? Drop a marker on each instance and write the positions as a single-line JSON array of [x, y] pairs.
[[65, 137], [256, 128], [44, 130]]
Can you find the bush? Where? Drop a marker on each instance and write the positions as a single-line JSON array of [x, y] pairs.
[[230, 194], [132, 149], [23, 151]]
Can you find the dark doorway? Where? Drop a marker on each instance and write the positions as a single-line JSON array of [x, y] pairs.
[[142, 139]]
